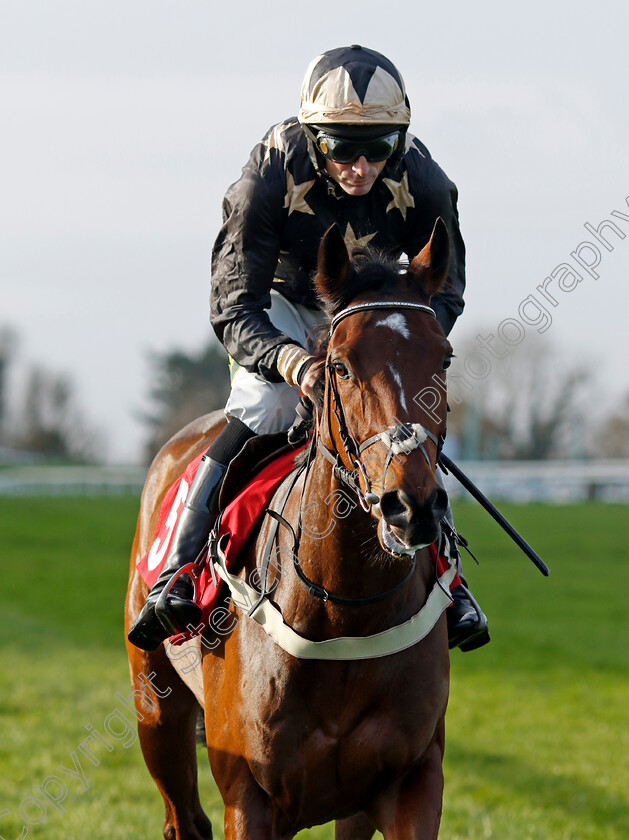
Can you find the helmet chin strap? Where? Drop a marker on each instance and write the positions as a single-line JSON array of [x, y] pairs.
[[318, 160]]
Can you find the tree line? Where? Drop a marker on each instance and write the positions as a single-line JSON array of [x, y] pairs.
[[538, 404], [534, 406], [47, 422]]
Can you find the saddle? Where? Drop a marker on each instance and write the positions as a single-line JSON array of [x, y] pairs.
[[257, 453], [248, 487]]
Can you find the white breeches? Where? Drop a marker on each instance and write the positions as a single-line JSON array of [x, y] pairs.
[[270, 406]]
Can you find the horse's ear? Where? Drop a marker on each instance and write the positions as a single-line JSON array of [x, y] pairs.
[[429, 268], [334, 268]]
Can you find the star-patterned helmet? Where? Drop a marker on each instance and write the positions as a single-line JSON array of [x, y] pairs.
[[354, 88]]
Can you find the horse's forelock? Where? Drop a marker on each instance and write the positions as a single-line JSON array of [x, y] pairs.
[[372, 271]]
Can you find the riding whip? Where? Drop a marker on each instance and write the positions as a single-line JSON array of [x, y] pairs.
[[450, 466]]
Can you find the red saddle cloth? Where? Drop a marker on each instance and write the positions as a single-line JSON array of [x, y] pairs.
[[238, 519]]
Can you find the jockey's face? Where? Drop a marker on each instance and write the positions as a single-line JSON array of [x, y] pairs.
[[355, 178]]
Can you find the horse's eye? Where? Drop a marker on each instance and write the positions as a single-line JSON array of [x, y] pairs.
[[341, 370], [446, 363]]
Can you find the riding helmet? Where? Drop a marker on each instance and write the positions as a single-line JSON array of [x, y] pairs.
[[353, 91]]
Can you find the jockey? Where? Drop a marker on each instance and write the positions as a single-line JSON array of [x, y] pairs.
[[347, 158]]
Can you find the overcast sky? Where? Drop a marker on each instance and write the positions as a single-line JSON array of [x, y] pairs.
[[124, 122]]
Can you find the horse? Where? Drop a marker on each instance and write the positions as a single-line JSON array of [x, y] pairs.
[[298, 741]]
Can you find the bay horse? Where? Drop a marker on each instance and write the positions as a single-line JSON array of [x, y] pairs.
[[295, 742]]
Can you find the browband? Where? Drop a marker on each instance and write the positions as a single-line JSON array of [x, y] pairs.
[[379, 304]]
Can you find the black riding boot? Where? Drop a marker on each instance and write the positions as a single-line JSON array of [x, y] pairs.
[[160, 618], [467, 623]]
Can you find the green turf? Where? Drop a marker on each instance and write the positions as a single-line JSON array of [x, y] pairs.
[[538, 723]]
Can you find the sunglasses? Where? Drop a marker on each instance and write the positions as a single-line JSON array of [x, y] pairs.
[[340, 150]]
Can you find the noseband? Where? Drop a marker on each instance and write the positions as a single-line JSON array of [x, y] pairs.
[[402, 438]]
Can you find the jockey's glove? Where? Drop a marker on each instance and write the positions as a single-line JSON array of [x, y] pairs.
[[292, 363]]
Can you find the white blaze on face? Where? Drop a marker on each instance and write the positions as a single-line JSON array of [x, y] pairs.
[[395, 322], [398, 382]]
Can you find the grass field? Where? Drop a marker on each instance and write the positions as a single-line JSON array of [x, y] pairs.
[[538, 723]]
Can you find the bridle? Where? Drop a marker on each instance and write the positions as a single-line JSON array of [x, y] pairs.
[[402, 438], [405, 437]]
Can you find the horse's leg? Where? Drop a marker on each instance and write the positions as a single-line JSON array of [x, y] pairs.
[[358, 827], [412, 809], [248, 814], [167, 714]]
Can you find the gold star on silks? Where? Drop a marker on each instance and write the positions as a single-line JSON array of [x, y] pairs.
[[402, 198], [410, 146], [296, 196], [353, 241], [274, 140]]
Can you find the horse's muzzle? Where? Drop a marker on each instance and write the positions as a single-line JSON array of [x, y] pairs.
[[407, 524]]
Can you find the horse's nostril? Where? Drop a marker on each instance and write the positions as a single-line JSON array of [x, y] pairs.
[[399, 509], [396, 508], [417, 522], [438, 503]]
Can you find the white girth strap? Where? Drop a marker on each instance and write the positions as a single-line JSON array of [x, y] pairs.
[[387, 642]]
